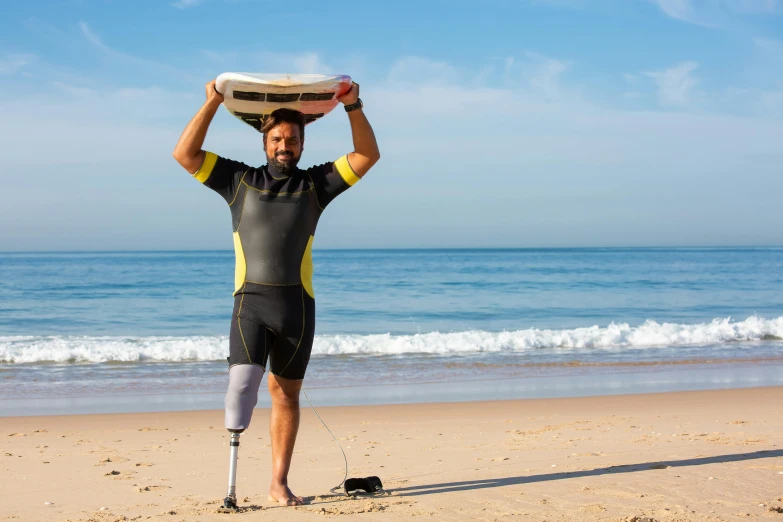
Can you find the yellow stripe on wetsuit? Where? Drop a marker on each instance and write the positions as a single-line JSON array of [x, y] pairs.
[[241, 265], [306, 268], [345, 171], [205, 170]]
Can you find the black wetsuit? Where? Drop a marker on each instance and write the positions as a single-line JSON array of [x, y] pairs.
[[274, 219]]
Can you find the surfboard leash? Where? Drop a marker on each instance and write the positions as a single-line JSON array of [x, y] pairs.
[[345, 477], [368, 485]]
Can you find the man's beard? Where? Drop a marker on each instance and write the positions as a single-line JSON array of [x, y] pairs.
[[283, 167]]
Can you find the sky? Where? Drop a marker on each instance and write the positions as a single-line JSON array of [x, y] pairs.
[[526, 123]]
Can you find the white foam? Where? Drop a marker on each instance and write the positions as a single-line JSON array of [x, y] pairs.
[[30, 349]]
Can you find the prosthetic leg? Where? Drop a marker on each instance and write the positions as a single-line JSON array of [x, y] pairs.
[[230, 502], [241, 398]]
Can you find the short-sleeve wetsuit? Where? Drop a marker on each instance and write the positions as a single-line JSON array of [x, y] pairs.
[[274, 218]]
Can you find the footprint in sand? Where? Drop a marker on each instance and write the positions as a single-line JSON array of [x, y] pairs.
[[593, 508], [111, 459], [152, 488]]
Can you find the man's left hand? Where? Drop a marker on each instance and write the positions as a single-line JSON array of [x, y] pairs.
[[351, 96]]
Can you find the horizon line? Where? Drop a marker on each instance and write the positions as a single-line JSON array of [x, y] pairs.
[[647, 247]]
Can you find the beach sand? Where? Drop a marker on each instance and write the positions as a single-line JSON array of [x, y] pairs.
[[711, 455]]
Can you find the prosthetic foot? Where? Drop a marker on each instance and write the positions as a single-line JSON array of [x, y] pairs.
[[230, 502]]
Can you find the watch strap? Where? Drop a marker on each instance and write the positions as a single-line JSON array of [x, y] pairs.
[[354, 106]]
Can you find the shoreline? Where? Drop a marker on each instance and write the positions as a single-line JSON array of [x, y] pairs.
[[697, 455], [573, 383]]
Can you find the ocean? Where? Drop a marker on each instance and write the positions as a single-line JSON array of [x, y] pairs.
[[85, 332]]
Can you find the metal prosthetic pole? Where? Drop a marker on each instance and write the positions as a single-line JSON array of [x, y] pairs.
[[230, 502]]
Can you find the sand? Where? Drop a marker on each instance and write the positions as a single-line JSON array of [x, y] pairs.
[[712, 455]]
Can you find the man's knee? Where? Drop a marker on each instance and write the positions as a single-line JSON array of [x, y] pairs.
[[284, 391]]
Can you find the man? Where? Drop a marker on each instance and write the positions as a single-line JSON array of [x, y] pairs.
[[274, 209]]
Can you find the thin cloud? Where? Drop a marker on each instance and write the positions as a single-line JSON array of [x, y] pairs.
[[717, 14], [73, 90], [415, 69], [770, 46], [532, 74], [310, 63], [11, 62], [93, 38], [218, 58], [545, 75], [152, 66], [631, 78], [754, 6], [676, 84], [184, 4], [297, 63], [681, 10]]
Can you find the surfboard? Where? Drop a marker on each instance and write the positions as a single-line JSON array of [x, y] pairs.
[[251, 97]]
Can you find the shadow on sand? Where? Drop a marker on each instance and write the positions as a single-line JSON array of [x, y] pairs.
[[469, 485]]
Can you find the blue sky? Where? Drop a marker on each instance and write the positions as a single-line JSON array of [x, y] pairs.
[[527, 123]]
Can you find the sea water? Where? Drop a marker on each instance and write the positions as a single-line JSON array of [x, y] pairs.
[[136, 331]]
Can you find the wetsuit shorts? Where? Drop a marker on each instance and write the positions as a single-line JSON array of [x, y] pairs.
[[274, 323]]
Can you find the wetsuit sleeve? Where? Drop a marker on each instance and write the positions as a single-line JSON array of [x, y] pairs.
[[332, 179], [221, 175]]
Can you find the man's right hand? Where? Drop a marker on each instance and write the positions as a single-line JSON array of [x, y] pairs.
[[213, 96]]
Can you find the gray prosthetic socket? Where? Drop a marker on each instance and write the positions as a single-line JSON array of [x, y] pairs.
[[242, 395]]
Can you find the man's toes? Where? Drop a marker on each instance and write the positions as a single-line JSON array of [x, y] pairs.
[[286, 501]]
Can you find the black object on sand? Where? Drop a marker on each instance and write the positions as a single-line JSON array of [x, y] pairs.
[[366, 485]]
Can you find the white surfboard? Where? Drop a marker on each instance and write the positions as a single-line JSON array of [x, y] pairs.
[[251, 97]]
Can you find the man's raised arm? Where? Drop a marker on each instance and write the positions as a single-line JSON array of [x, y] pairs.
[[365, 149], [188, 152]]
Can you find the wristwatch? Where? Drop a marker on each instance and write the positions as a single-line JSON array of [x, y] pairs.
[[354, 106]]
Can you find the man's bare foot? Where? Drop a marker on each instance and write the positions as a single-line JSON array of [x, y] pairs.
[[282, 494]]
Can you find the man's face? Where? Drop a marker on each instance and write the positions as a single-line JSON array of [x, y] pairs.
[[283, 147]]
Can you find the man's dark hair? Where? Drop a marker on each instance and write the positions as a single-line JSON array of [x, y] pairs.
[[284, 116]]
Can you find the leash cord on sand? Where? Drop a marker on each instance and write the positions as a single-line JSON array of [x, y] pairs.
[[334, 489]]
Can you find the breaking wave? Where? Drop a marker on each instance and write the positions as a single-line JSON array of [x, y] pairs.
[[594, 339]]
